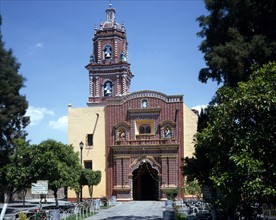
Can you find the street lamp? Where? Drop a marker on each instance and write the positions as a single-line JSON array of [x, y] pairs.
[[81, 147]]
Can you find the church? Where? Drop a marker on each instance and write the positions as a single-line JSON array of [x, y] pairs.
[[136, 139]]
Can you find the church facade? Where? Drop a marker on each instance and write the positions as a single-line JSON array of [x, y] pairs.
[[135, 139]]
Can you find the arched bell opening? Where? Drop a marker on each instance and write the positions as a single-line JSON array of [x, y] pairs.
[[145, 182]]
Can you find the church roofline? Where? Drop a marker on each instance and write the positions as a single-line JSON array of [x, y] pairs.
[[153, 93], [145, 94]]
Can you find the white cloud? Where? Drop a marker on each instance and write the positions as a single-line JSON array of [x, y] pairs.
[[39, 45], [60, 124], [37, 114], [199, 107]]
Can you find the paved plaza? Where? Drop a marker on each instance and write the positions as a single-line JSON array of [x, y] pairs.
[[134, 210]]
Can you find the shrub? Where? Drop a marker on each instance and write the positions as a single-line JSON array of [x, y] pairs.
[[171, 193]]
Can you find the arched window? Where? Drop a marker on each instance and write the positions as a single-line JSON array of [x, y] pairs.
[[144, 129], [108, 88], [107, 52]]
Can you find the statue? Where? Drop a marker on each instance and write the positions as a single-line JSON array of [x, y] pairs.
[[168, 133]]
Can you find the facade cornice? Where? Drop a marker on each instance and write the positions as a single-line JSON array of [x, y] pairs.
[[145, 147], [109, 34], [144, 110], [110, 66]]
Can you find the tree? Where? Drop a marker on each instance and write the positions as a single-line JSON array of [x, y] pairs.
[[57, 163], [239, 144], [193, 188], [90, 178], [13, 107], [236, 35], [18, 170], [93, 179]]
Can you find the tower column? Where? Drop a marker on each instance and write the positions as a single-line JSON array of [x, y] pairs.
[[118, 86], [91, 87], [124, 84], [97, 87], [116, 51], [99, 53]]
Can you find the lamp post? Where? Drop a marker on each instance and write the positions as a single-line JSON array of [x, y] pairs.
[[81, 148]]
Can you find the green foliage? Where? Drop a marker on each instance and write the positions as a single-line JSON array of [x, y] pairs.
[[13, 107], [40, 214], [172, 193], [239, 143], [236, 35], [93, 177], [23, 216], [193, 188], [18, 170], [57, 163], [90, 178]]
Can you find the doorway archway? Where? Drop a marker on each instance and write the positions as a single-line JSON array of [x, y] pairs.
[[145, 183]]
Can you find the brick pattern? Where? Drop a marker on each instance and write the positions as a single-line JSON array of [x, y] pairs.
[[118, 73], [167, 153]]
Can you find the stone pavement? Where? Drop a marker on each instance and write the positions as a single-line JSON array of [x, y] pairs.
[[134, 210]]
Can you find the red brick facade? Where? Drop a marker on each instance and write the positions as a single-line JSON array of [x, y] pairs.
[[161, 154]]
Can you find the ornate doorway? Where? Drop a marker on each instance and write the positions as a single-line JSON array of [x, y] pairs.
[[145, 183]]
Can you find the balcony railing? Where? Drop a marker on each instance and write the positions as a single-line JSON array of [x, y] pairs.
[[146, 142]]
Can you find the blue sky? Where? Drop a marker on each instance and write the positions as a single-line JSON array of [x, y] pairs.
[[52, 39]]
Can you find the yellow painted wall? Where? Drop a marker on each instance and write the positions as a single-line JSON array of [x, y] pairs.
[[81, 121], [190, 129]]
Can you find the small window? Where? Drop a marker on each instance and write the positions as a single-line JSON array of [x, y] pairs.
[[88, 164], [144, 129], [89, 139]]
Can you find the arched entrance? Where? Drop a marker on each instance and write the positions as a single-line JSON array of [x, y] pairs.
[[145, 183]]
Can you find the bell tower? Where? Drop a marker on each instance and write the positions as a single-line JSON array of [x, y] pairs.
[[109, 71]]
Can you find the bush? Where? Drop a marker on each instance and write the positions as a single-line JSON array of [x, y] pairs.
[[23, 216], [171, 194]]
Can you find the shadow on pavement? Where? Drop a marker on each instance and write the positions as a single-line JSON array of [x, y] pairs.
[[132, 218]]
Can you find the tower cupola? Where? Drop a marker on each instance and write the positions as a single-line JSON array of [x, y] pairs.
[[110, 13]]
